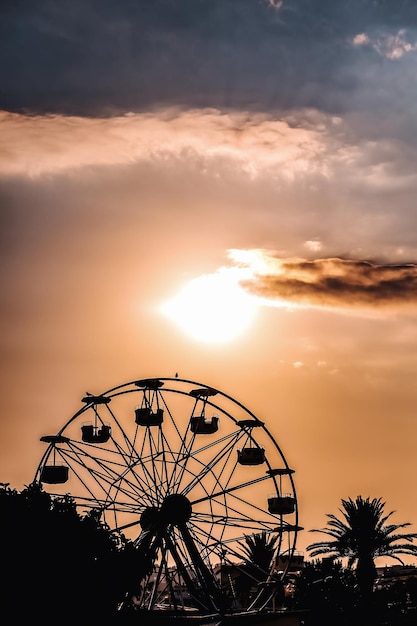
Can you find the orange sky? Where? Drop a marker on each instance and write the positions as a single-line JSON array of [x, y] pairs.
[[107, 216], [93, 251]]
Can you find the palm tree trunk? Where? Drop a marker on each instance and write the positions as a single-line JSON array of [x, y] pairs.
[[366, 575]]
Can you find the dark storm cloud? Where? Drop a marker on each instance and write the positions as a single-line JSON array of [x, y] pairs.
[[100, 57], [337, 283]]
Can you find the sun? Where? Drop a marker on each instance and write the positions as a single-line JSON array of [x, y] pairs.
[[213, 308]]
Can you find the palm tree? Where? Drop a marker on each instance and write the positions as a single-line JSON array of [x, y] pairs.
[[361, 537], [258, 551]]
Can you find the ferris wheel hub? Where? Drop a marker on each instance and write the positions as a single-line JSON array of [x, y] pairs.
[[176, 509]]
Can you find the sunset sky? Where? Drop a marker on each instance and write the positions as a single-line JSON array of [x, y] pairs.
[[166, 165]]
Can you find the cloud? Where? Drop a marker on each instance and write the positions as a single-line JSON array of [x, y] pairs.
[[277, 4], [391, 46], [331, 282], [314, 245], [135, 56], [304, 181], [360, 39], [286, 146], [37, 145]]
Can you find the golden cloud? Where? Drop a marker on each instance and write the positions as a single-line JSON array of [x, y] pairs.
[[334, 282]]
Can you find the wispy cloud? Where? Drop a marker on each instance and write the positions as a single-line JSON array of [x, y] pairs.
[[36, 145], [285, 147], [277, 4], [392, 46]]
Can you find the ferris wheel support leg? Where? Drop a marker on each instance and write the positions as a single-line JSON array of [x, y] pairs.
[[205, 575], [193, 590]]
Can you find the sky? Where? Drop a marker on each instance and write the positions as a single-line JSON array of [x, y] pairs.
[[164, 161]]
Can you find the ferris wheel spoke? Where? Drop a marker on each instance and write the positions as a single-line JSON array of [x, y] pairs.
[[163, 462], [256, 513], [228, 490], [173, 461], [129, 453], [107, 465], [99, 476], [150, 467], [144, 475], [105, 474], [178, 449], [122, 528], [234, 436], [251, 516], [134, 482], [208, 540], [237, 521], [126, 453], [145, 470], [127, 488], [224, 468], [136, 456], [207, 468], [217, 524]]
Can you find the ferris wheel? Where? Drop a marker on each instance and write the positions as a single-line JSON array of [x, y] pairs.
[[187, 473]]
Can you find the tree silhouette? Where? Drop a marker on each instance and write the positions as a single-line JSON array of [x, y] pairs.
[[361, 536], [258, 551], [57, 564], [326, 590]]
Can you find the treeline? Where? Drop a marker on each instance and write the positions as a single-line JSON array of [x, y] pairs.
[[60, 567], [56, 565]]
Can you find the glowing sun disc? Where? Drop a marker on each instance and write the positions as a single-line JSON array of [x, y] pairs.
[[212, 308]]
